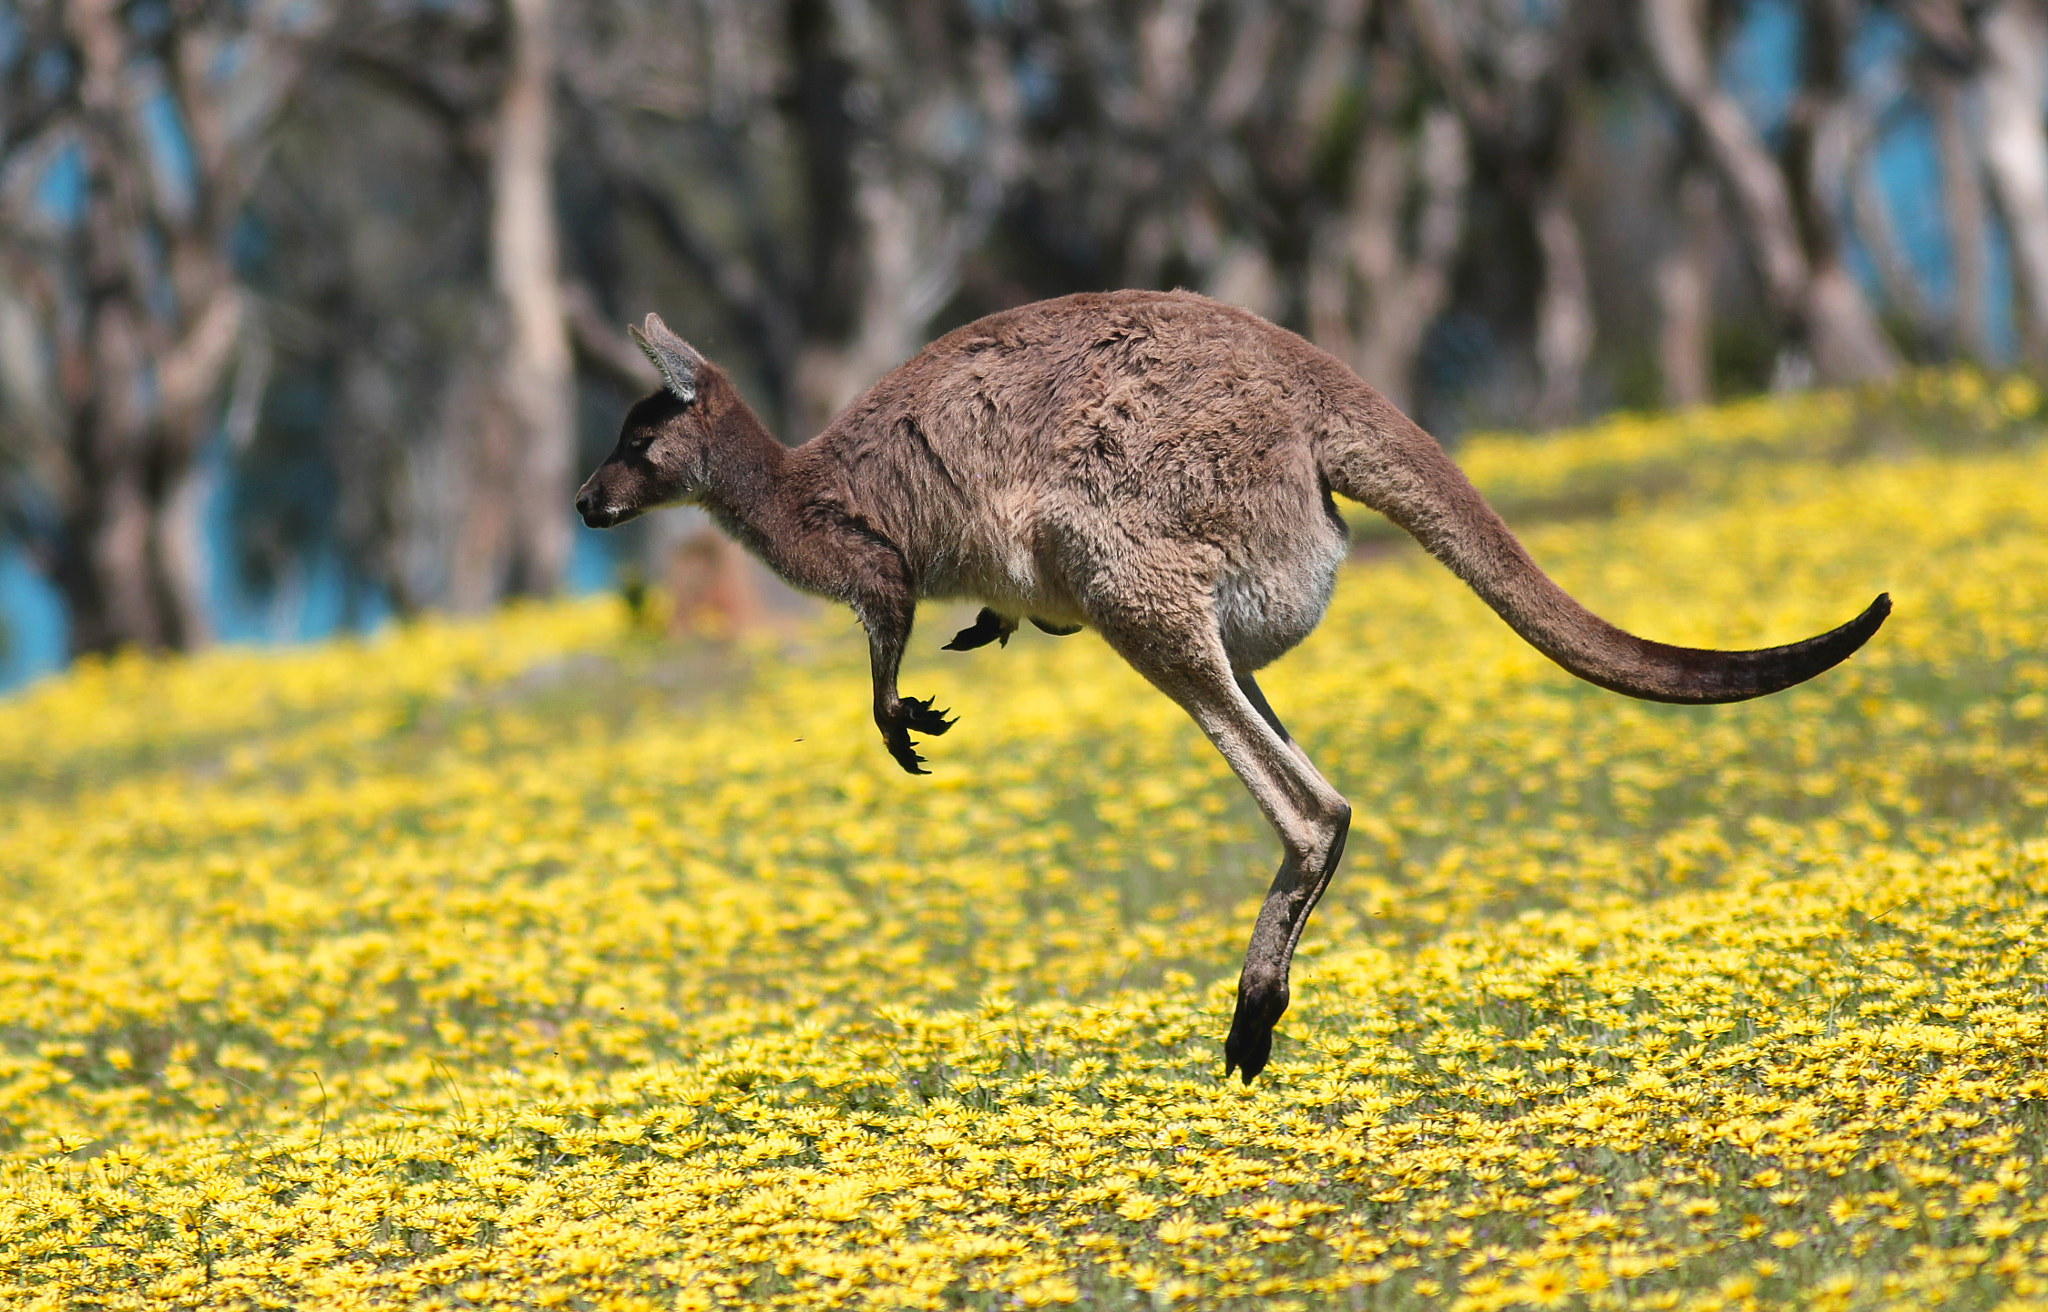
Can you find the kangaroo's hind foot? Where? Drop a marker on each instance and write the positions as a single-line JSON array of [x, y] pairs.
[[1249, 1045]]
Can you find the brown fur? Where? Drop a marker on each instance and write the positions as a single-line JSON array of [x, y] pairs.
[[1159, 467]]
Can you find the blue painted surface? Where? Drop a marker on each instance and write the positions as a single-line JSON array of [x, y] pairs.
[[60, 192], [170, 150], [1760, 64], [33, 616], [593, 560]]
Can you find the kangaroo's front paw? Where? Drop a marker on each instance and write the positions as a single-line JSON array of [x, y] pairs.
[[898, 743], [924, 719], [988, 627], [912, 713]]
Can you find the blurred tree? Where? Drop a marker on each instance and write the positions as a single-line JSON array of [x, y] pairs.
[[1789, 208], [1380, 263], [1685, 288], [862, 152], [478, 503], [2012, 85], [1517, 72], [368, 239], [1945, 57], [132, 135], [536, 372], [382, 250]]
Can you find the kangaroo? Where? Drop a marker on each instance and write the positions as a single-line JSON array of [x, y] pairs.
[[1156, 466]]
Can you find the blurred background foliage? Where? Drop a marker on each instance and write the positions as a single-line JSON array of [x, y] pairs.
[[311, 310]]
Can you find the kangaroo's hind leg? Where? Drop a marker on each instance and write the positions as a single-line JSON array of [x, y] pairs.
[[1311, 817]]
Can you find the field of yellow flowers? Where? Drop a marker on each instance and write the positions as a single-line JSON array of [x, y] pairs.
[[535, 963]]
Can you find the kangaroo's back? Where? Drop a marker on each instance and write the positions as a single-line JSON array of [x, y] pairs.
[[1161, 416]]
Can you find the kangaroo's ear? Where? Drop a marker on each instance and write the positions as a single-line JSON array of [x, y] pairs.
[[676, 358]]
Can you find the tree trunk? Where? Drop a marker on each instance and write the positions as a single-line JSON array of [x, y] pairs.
[[919, 208], [908, 271], [1790, 222], [191, 376], [1675, 33], [107, 574], [144, 321], [1564, 313], [1685, 295], [1827, 123], [477, 466], [1374, 286], [1847, 342], [1881, 240], [537, 378], [2014, 77], [1962, 200]]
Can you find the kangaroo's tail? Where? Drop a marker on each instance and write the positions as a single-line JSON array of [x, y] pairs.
[[1391, 465]]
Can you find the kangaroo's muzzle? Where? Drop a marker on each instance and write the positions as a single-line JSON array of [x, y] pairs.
[[597, 514]]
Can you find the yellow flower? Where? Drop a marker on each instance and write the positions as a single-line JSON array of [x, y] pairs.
[[533, 961], [1545, 1287]]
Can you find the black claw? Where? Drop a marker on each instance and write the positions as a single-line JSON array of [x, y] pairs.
[[906, 755], [912, 713], [924, 719]]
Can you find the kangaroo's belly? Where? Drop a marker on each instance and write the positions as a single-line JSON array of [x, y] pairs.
[[1015, 592], [998, 560], [1266, 566], [1268, 600]]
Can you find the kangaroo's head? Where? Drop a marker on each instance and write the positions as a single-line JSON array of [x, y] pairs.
[[665, 442]]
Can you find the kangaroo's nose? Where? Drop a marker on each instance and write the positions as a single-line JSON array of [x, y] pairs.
[[593, 515]]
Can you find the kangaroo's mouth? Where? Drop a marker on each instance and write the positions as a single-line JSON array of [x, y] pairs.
[[609, 516]]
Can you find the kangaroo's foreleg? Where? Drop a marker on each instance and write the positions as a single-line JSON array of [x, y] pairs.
[[1310, 817], [886, 612]]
